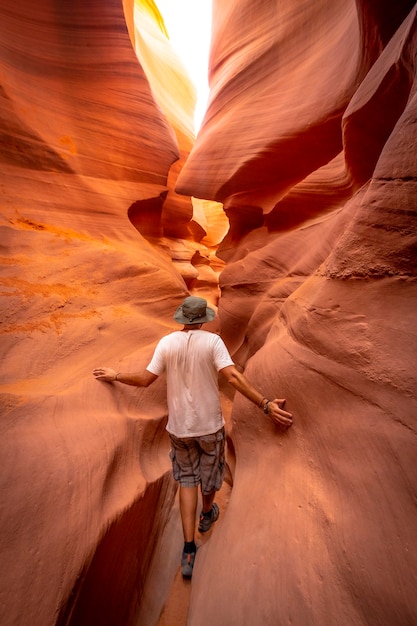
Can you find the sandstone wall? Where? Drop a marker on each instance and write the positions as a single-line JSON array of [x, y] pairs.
[[318, 303]]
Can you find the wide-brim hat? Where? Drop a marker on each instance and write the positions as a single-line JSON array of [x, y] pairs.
[[194, 310]]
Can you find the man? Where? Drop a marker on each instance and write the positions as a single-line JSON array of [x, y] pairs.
[[192, 359]]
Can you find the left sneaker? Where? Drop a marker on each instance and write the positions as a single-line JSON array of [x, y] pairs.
[[187, 564]]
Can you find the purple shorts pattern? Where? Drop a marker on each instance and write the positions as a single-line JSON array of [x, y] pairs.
[[199, 460]]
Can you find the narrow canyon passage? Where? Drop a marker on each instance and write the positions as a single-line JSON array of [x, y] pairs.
[[293, 212], [175, 611]]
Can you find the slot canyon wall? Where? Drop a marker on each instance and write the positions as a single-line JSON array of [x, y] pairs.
[[111, 214]]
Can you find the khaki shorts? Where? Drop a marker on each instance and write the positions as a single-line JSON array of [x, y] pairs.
[[199, 460]]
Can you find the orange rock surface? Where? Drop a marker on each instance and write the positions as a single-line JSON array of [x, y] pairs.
[[110, 215]]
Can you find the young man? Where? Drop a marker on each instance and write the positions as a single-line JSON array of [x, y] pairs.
[[192, 358]]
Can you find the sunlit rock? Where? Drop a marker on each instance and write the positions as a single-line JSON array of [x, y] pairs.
[[274, 63], [178, 216]]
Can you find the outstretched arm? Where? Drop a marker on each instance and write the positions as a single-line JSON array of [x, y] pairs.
[[274, 408], [138, 379]]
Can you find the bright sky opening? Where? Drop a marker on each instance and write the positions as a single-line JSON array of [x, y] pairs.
[[188, 23]]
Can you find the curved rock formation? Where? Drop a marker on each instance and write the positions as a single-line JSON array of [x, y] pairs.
[[79, 286], [111, 214]]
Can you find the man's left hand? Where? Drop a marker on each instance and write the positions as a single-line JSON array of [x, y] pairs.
[[277, 413]]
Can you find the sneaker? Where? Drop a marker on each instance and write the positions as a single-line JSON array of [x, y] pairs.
[[187, 564], [207, 519]]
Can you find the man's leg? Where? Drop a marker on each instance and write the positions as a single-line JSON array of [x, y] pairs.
[[188, 509], [185, 459], [208, 501], [212, 469]]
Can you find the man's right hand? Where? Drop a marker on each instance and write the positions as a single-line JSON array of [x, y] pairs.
[[105, 373]]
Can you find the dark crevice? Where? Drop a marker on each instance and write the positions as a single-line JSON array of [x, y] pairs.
[[109, 589]]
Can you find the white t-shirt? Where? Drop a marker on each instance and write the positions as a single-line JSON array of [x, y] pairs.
[[191, 360]]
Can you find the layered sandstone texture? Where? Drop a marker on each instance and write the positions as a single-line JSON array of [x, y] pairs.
[[111, 214]]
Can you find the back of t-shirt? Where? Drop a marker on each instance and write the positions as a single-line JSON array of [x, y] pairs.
[[191, 360]]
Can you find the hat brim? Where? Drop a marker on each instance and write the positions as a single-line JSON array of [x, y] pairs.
[[181, 319]]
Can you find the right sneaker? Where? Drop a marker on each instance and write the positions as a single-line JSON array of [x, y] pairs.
[[208, 519]]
